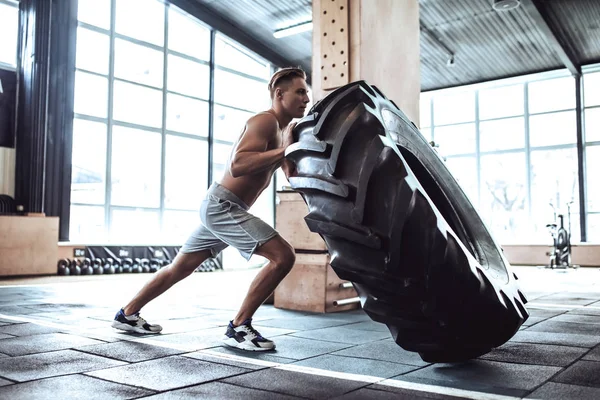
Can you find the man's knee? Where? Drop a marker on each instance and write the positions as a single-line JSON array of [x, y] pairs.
[[286, 257], [186, 263]]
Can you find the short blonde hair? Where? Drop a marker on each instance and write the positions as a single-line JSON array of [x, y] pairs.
[[284, 75]]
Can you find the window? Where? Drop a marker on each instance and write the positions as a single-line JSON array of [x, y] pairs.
[[592, 124], [238, 91], [453, 108], [186, 172], [92, 51], [221, 154], [94, 12], [178, 225], [503, 194], [591, 89], [91, 94], [86, 224], [592, 160], [142, 20], [554, 183], [464, 170], [229, 123], [502, 134], [552, 129], [187, 115], [593, 224], [9, 32], [425, 111], [137, 104], [181, 29], [552, 95], [135, 169], [505, 101], [134, 226], [187, 77], [138, 64], [88, 177], [455, 139], [230, 56]]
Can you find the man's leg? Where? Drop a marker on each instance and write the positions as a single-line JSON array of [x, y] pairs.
[[281, 258], [182, 266]]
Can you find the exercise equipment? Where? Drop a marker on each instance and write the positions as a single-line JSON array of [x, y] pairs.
[[560, 256], [399, 227]]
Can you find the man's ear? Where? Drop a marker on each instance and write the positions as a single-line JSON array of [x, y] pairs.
[[279, 93]]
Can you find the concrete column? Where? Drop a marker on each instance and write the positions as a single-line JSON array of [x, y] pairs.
[[372, 40]]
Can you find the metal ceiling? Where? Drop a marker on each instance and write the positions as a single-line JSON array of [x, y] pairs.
[[539, 35]]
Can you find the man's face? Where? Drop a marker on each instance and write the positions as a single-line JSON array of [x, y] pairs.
[[295, 98]]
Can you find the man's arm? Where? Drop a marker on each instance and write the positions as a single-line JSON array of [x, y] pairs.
[[288, 168], [251, 154]]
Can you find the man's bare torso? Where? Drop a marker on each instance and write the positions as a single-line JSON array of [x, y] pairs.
[[249, 187]]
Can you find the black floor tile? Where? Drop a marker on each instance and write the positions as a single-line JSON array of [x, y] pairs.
[[220, 390], [233, 356], [593, 355], [578, 319], [304, 323], [167, 373], [129, 351], [537, 354], [5, 336], [565, 339], [385, 350], [380, 392], [343, 334], [565, 327], [295, 383], [483, 375], [71, 387], [584, 373], [27, 329], [299, 348], [55, 363], [23, 345], [561, 391], [358, 366]]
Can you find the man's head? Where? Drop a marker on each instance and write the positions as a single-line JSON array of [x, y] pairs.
[[289, 91]]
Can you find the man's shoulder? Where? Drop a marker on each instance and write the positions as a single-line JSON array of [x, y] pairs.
[[264, 121]]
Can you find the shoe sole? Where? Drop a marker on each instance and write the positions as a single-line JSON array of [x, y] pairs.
[[125, 327], [233, 343]]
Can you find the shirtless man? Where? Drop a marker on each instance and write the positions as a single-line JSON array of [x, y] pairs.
[[256, 155]]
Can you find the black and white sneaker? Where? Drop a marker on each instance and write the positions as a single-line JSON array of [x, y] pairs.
[[245, 337], [134, 323]]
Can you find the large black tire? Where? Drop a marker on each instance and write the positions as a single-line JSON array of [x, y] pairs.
[[399, 227]]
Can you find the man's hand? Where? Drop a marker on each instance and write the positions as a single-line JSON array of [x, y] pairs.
[[288, 137]]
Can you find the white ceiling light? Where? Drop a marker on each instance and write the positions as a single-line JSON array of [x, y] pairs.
[[505, 5], [294, 29]]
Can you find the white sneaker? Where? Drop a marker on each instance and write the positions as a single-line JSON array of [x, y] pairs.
[[134, 323], [245, 337]]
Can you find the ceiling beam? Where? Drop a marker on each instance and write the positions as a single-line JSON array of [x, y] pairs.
[[539, 13], [230, 30]]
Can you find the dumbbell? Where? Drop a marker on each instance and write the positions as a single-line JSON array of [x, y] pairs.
[[145, 264], [118, 266], [137, 267], [155, 265], [87, 269], [97, 265], [63, 266], [75, 267], [108, 266], [127, 265]]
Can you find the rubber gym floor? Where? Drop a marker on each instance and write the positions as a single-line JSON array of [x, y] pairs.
[[56, 342]]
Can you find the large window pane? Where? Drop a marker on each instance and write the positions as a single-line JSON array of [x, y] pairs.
[[94, 12], [187, 115], [137, 104], [237, 91], [552, 95], [88, 178], [552, 129], [91, 94], [500, 102], [455, 139], [188, 77], [142, 20], [503, 195], [592, 89], [138, 63], [135, 167], [229, 56], [229, 123], [453, 108], [93, 49], [183, 27], [592, 124], [425, 110], [553, 184], [592, 160], [9, 34], [86, 224], [221, 154], [593, 228], [178, 225], [186, 173], [502, 134], [134, 226], [464, 170], [426, 132]]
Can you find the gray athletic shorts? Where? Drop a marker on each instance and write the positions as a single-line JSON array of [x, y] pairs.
[[227, 222]]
